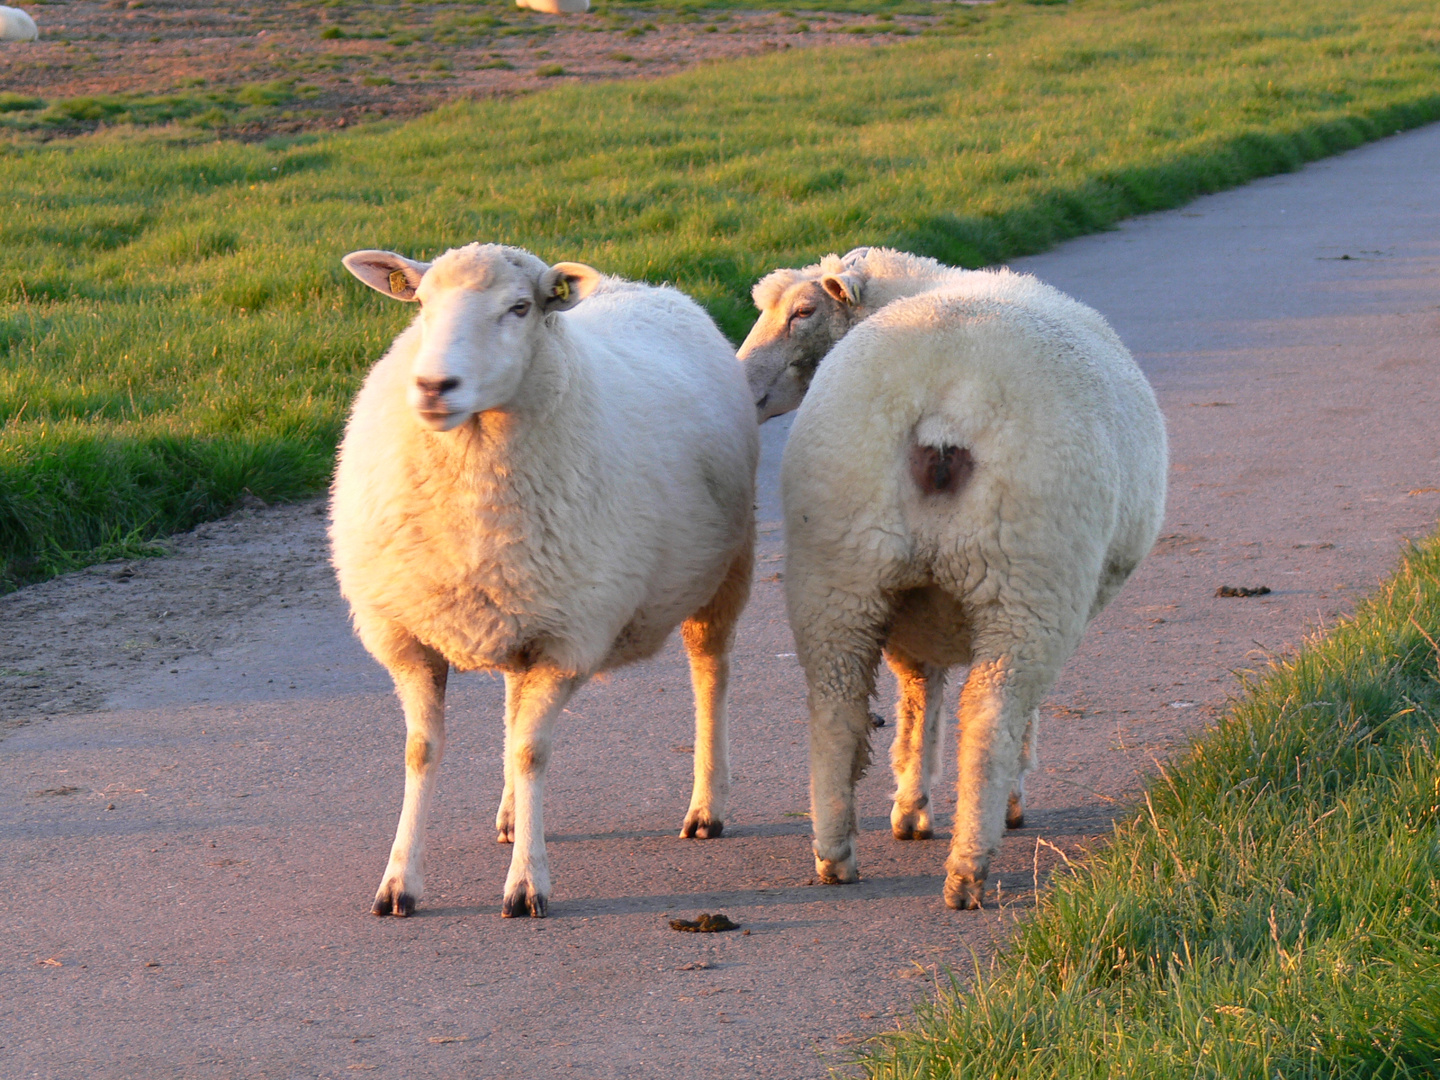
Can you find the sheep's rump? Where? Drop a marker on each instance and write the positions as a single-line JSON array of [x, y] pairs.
[[996, 447]]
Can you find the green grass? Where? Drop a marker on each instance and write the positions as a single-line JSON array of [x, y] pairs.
[[213, 108], [1272, 911], [175, 328]]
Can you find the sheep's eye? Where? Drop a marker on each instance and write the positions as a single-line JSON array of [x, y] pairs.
[[801, 313], [522, 308]]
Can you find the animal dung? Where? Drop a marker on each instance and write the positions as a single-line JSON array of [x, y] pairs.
[[1235, 590], [705, 924]]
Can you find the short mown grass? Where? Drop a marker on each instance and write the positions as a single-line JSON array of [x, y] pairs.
[[200, 108], [176, 330], [1271, 911]]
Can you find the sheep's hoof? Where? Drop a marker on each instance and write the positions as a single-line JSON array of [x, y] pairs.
[[504, 835], [1015, 813], [521, 903], [393, 900], [837, 871], [911, 831], [699, 825], [964, 893], [911, 825]]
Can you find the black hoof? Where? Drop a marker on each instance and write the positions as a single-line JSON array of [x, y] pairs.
[[910, 832], [1015, 821], [964, 893], [701, 828], [520, 904], [401, 906]]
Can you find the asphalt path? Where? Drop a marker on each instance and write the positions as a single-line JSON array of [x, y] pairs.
[[195, 814]]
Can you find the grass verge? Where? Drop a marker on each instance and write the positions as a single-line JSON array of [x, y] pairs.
[[1272, 911], [175, 328]]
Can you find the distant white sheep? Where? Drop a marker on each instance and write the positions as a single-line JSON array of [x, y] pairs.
[[546, 492], [977, 467], [556, 7], [16, 25]]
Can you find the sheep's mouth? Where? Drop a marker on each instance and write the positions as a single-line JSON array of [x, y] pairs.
[[441, 419]]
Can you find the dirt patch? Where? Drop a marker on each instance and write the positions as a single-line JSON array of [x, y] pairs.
[[306, 64], [67, 644]]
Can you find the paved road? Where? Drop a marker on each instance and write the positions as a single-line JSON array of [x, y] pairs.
[[214, 922]]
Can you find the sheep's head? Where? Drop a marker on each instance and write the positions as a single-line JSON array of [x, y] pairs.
[[483, 309], [803, 313]]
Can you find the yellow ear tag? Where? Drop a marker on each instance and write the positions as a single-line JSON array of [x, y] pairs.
[[562, 289], [398, 281]]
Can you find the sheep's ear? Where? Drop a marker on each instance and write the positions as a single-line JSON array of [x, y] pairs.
[[844, 287], [384, 271], [565, 284]]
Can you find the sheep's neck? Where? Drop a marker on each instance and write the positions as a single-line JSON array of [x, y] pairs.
[[533, 443], [880, 291]]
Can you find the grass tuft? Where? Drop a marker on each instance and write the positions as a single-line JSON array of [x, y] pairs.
[[1273, 910]]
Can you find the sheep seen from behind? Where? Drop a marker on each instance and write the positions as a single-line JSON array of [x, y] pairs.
[[17, 25], [555, 7], [547, 473], [977, 467]]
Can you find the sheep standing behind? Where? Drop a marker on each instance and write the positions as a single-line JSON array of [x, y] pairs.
[[545, 492], [556, 7], [977, 467], [16, 25]]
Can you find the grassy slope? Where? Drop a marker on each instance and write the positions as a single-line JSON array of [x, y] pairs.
[[175, 327], [1274, 909]]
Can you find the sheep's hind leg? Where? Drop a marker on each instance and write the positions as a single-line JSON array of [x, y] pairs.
[[541, 694], [839, 756], [1029, 758], [419, 675], [709, 634], [840, 671], [914, 754], [995, 706]]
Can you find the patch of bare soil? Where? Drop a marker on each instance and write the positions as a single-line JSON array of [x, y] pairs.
[[361, 61], [67, 644]]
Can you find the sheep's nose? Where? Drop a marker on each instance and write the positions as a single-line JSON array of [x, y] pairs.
[[434, 388]]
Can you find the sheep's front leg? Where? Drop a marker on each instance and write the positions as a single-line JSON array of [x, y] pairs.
[[541, 694], [505, 816], [708, 636], [995, 706], [915, 755], [419, 674]]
